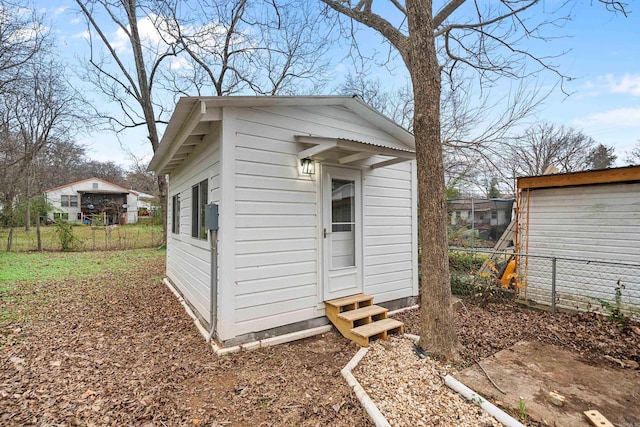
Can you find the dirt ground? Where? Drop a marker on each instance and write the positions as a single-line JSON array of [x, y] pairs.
[[592, 360], [119, 350], [530, 370]]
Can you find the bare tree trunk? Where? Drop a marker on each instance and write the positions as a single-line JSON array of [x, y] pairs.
[[163, 188], [10, 239], [38, 233], [27, 217], [438, 333]]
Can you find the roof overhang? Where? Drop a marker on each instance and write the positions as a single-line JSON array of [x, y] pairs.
[[348, 151], [592, 177], [103, 192], [196, 121]]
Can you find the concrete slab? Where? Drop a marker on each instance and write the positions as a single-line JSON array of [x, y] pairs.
[[531, 370]]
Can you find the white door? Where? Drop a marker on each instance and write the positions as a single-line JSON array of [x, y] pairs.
[[342, 231]]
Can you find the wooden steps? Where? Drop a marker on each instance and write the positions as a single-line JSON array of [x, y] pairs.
[[357, 318]]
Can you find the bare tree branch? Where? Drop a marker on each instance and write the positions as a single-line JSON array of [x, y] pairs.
[[370, 19]]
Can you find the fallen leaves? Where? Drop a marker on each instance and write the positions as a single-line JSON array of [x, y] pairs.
[[483, 331], [105, 352], [88, 393]]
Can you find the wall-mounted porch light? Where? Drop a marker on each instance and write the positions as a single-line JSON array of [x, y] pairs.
[[308, 167]]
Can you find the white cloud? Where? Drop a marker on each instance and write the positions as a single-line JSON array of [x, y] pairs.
[[179, 64], [627, 117], [630, 83], [83, 35], [627, 84], [60, 10], [149, 35]]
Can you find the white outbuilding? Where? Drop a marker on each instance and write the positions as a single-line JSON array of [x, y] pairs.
[[580, 233], [316, 198]]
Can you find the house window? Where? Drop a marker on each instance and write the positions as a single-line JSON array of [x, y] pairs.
[[95, 185], [494, 214], [62, 216], [198, 203], [458, 214], [68, 201], [175, 214]]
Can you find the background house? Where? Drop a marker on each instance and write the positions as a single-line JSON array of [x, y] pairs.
[[94, 200], [590, 222], [288, 239], [489, 216]]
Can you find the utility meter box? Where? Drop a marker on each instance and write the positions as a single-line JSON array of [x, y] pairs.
[[211, 216]]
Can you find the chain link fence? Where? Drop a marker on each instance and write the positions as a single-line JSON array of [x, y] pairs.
[[608, 287], [146, 233]]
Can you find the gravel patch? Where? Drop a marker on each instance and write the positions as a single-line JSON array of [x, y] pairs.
[[410, 390]]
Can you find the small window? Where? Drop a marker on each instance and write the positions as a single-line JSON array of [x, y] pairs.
[[198, 202], [95, 185], [494, 214], [175, 214], [63, 216], [67, 201]]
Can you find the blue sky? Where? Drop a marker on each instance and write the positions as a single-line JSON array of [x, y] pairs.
[[602, 56]]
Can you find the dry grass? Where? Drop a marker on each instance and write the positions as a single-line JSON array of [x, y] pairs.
[[86, 238]]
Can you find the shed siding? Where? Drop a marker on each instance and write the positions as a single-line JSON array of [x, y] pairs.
[[389, 260], [188, 259], [600, 222], [276, 224], [277, 245]]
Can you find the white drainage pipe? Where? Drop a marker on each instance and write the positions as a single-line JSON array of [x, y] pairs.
[[372, 410], [267, 342], [487, 406]]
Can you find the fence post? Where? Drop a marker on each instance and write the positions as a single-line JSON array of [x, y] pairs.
[[553, 284]]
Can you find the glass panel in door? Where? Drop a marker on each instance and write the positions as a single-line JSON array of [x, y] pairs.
[[343, 224]]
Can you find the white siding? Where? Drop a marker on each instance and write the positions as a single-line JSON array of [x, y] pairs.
[[277, 239], [188, 259], [276, 224], [132, 208], [54, 199], [389, 232], [598, 222]]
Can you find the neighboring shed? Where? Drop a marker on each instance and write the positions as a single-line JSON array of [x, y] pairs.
[[593, 216], [93, 200], [288, 240]]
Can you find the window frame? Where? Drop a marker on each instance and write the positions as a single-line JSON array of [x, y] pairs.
[[199, 200], [175, 214], [62, 216], [69, 200]]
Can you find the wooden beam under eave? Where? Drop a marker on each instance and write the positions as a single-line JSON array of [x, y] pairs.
[[375, 149], [355, 157], [316, 149], [389, 162], [193, 119], [603, 176]]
